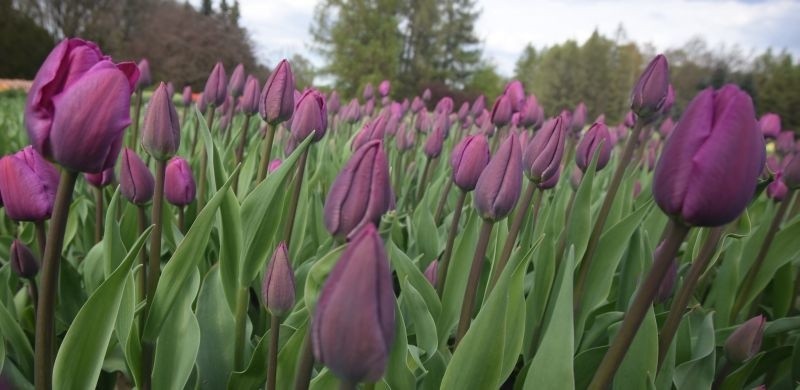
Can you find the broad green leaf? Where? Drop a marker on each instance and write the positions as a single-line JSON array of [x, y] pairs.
[[13, 334], [698, 373], [113, 248], [737, 379], [398, 375], [318, 274], [417, 310], [179, 341], [579, 226], [230, 256], [425, 232], [405, 268], [215, 357], [641, 360]]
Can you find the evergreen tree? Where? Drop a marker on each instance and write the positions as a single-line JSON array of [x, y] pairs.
[[461, 53], [206, 8], [419, 46], [235, 13]]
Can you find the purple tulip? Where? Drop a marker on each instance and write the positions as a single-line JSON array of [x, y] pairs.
[[426, 94], [417, 105], [369, 92], [435, 141], [463, 112], [250, 97], [709, 166], [444, 106], [500, 183], [478, 106], [579, 118], [468, 160], [145, 79], [542, 157], [575, 178], [201, 103], [236, 84], [101, 179], [28, 184], [79, 105], [650, 92], [404, 138], [666, 128], [216, 86], [161, 129], [23, 261], [353, 325], [361, 193], [373, 130], [310, 116], [590, 142], [770, 125], [136, 183], [278, 286], [170, 90], [530, 114], [432, 272], [745, 341], [334, 103], [784, 143], [777, 189], [187, 96], [384, 87], [630, 120], [669, 101], [516, 95], [551, 182], [601, 118], [179, 185], [501, 111], [650, 155], [274, 165], [423, 122], [277, 98]]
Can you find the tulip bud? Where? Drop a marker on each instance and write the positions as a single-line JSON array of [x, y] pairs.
[[216, 86], [579, 118], [777, 190], [145, 79], [791, 171], [277, 98], [369, 91], [274, 165], [373, 130], [784, 143], [468, 160], [278, 287], [310, 116], [186, 98], [236, 84], [500, 183], [250, 97], [23, 261], [542, 157], [650, 92], [529, 114], [384, 87], [709, 166], [463, 112], [405, 138], [669, 101], [630, 120], [179, 185], [551, 182], [201, 103], [666, 128], [136, 183], [28, 184], [369, 106], [745, 341], [435, 141], [516, 95], [161, 129], [334, 103], [575, 178], [478, 106], [432, 272], [426, 95], [589, 143], [361, 193], [667, 285], [501, 111], [417, 105], [170, 90], [101, 179], [444, 106], [770, 125], [353, 325]]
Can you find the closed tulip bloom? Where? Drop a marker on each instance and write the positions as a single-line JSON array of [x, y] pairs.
[[501, 111], [432, 272], [23, 261], [435, 140], [278, 287], [369, 107], [384, 87], [405, 138], [667, 285], [161, 129], [417, 104], [650, 92], [791, 171], [201, 103], [468, 160], [426, 94], [179, 185], [516, 95], [575, 178], [310, 116], [334, 103], [666, 128], [630, 120], [186, 97], [542, 157], [784, 143], [369, 91], [170, 90], [463, 111], [669, 101], [478, 106], [373, 130], [236, 84], [770, 125], [354, 325], [529, 114], [745, 341], [551, 182], [136, 183], [28, 184], [145, 79], [101, 179], [361, 192], [590, 142], [216, 86], [500, 183], [250, 97], [709, 166], [444, 106], [777, 189], [79, 106], [277, 98], [579, 117]]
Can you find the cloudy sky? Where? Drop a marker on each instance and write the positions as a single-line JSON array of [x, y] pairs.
[[281, 27]]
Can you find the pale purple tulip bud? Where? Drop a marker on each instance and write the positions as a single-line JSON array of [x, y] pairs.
[[334, 103], [501, 111], [23, 261], [516, 95], [770, 125], [384, 87], [236, 84], [423, 123], [575, 178], [478, 106], [101, 179], [784, 143], [601, 118], [432, 272], [145, 79], [542, 157], [170, 90], [709, 166], [136, 183], [179, 184], [666, 128], [551, 182], [201, 103], [463, 112], [277, 290], [500, 183], [417, 105], [777, 189], [435, 140], [529, 114], [187, 96], [650, 92], [630, 120], [373, 130], [468, 160], [276, 103], [669, 101], [426, 94], [745, 341], [579, 118], [444, 106], [216, 86], [28, 185], [310, 116], [369, 92], [251, 95], [405, 138], [590, 142], [354, 325], [161, 128]]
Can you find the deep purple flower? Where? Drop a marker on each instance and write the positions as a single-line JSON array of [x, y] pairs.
[[478, 106], [463, 112], [435, 140], [101, 179], [161, 128], [136, 182], [179, 184], [277, 98], [187, 96], [666, 128], [310, 116], [405, 137], [384, 87], [650, 92], [277, 290], [250, 97], [216, 86], [500, 183], [468, 160], [28, 185], [530, 113], [777, 189], [745, 341], [426, 94], [501, 111], [542, 157], [334, 103], [784, 143], [444, 106], [369, 91], [669, 101], [373, 130], [770, 125], [590, 142], [236, 84], [23, 261], [578, 118], [516, 95], [145, 79]]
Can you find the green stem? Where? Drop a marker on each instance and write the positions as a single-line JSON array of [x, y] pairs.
[[272, 365], [142, 279], [511, 239], [182, 219], [442, 201], [444, 261], [51, 261], [41, 236], [201, 186], [98, 214], [685, 293], [266, 152], [474, 278], [347, 385], [240, 151], [597, 231], [723, 372], [241, 328], [153, 268], [305, 364], [196, 135], [184, 115], [750, 278], [298, 185], [642, 301], [137, 109], [423, 180]]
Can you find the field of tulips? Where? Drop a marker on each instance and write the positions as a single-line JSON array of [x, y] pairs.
[[263, 237]]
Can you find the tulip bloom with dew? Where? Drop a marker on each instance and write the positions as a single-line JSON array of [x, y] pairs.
[[28, 185]]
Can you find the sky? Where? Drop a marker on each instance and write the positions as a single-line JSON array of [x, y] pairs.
[[280, 28]]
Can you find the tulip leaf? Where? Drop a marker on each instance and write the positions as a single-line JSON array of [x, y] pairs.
[[12, 332], [424, 229], [641, 360], [421, 318], [288, 356], [215, 357], [406, 269], [181, 266], [254, 375], [260, 212], [317, 275], [579, 226], [544, 270], [230, 255], [87, 338], [738, 379], [398, 375], [552, 366], [698, 372], [113, 248]]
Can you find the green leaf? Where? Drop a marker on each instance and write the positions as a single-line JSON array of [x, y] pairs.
[[86, 340], [424, 326], [230, 256], [425, 232], [698, 372], [398, 376], [406, 269], [179, 341], [317, 275], [12, 332], [641, 360], [738, 379], [215, 357], [579, 226], [113, 247], [785, 248]]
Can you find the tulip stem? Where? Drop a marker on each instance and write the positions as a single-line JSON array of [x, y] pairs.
[[722, 374], [184, 115], [298, 185], [642, 301], [196, 134], [41, 236], [241, 328], [137, 109], [305, 364], [444, 261], [182, 219], [154, 267], [266, 151], [98, 214], [346, 384], [682, 298], [51, 261], [240, 151], [34, 290], [142, 279], [750, 278], [201, 187], [272, 366], [474, 279], [602, 216], [442, 201], [511, 239], [423, 179]]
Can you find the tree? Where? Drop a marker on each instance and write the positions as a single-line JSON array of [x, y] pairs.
[[23, 44], [461, 53], [206, 8], [303, 71], [419, 47], [527, 66]]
